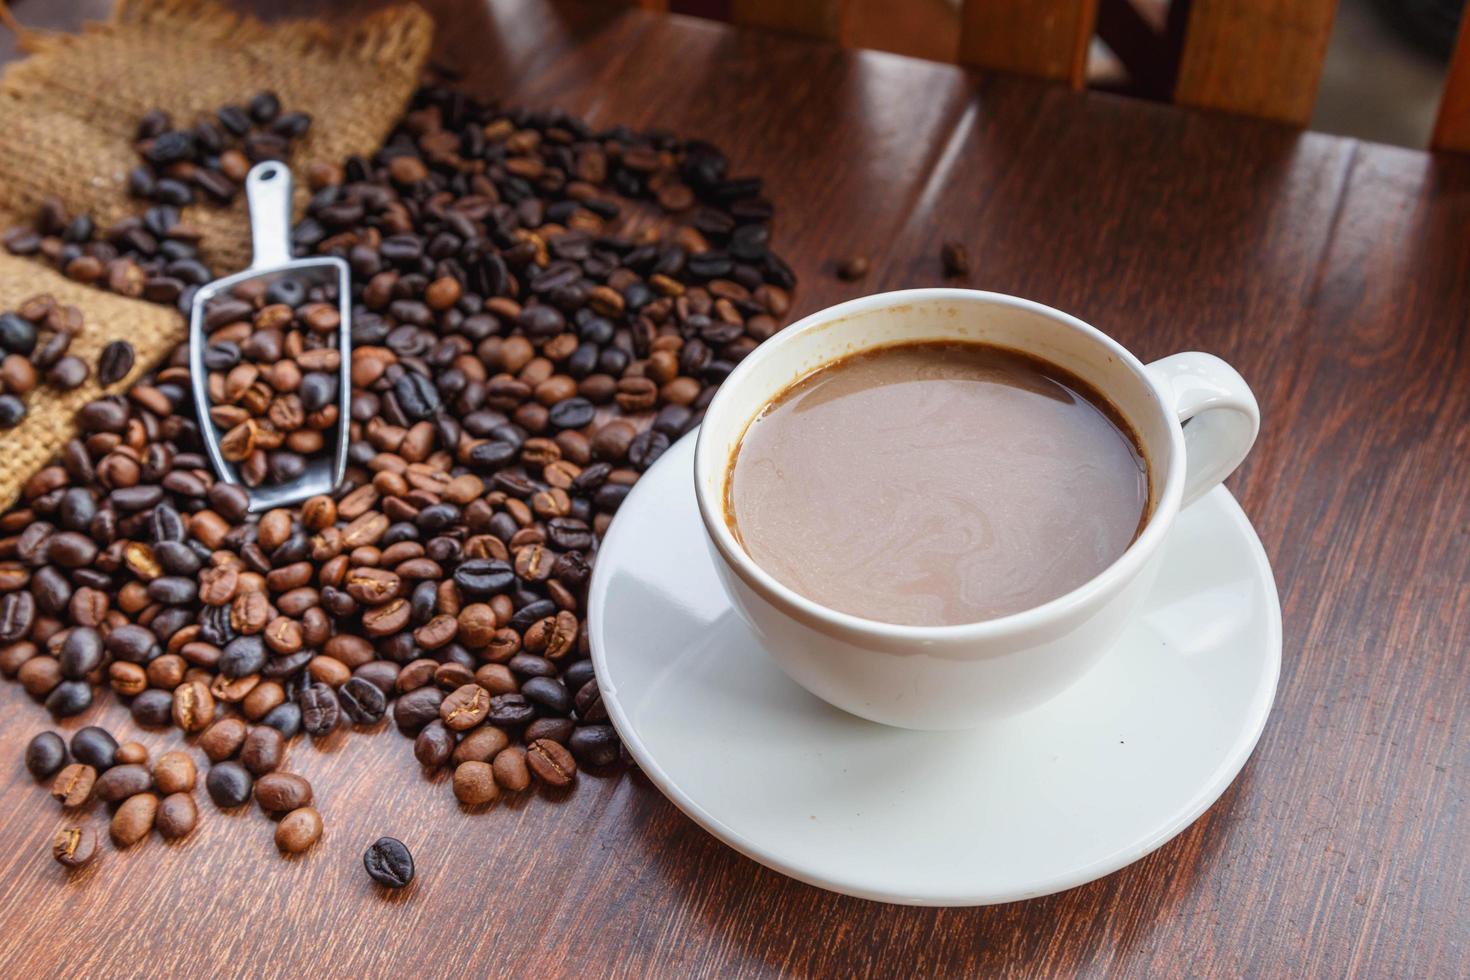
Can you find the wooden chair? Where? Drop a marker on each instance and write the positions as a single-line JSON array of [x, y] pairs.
[[1255, 57]]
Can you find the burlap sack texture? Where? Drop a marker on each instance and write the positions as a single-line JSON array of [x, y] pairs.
[[68, 114]]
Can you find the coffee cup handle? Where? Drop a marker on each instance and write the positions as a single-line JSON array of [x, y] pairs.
[[1217, 411]]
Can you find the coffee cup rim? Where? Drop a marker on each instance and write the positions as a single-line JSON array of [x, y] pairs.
[[1095, 590]]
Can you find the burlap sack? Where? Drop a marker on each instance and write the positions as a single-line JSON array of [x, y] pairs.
[[68, 113]]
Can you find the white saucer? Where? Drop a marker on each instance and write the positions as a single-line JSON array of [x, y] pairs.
[[1073, 790]]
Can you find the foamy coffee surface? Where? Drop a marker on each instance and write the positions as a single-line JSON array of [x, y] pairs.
[[935, 484]]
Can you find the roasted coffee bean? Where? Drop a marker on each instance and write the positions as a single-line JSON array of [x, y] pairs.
[[132, 753], [955, 259], [433, 745], [555, 729], [221, 740], [362, 702], [74, 846], [319, 710], [416, 708], [284, 718], [174, 772], [551, 763], [281, 792], [81, 653], [511, 772], [548, 693], [474, 783], [595, 745], [389, 863], [262, 750], [121, 782], [465, 707], [153, 708], [177, 816], [508, 710], [73, 785], [481, 744], [45, 755], [193, 706], [69, 698], [134, 819], [299, 830], [115, 361], [94, 746], [229, 784]]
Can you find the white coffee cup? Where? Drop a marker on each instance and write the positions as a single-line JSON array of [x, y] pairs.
[[951, 677]]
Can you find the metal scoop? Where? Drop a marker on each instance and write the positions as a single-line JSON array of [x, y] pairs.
[[268, 192]]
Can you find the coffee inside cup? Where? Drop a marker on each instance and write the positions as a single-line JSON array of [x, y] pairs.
[[937, 483]]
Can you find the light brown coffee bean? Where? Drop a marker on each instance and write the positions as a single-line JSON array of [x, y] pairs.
[[299, 830], [193, 708], [74, 846], [134, 819], [511, 772], [132, 753], [174, 772], [121, 782], [474, 783], [480, 744], [177, 816], [282, 792], [221, 740]]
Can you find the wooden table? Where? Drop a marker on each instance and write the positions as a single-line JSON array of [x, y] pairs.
[[1335, 275]]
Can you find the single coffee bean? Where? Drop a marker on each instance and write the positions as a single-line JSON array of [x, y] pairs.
[[299, 830], [362, 701], [115, 361], [69, 698], [474, 783], [595, 745], [94, 746], [121, 782], [45, 755], [74, 846], [511, 772], [319, 710], [433, 745], [174, 772], [480, 745], [389, 863], [132, 754], [153, 708], [465, 707], [281, 792], [556, 729], [134, 819], [177, 816], [222, 739], [81, 653], [263, 750], [551, 763], [73, 785], [285, 718], [193, 706], [509, 710], [955, 259], [228, 784], [415, 709]]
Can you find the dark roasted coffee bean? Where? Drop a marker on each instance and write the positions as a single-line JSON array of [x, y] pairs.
[[955, 259], [483, 577], [45, 754], [362, 701], [389, 863], [509, 710], [12, 411], [284, 718], [81, 653], [416, 395], [229, 784], [433, 745], [548, 693], [153, 708], [115, 361], [595, 745], [94, 746], [264, 107], [69, 698], [319, 710], [243, 656]]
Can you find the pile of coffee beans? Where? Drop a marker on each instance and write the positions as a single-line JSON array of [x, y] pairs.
[[274, 376], [210, 158], [152, 256], [539, 309], [34, 339], [97, 767]]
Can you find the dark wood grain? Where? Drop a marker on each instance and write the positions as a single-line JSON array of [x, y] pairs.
[[1335, 275]]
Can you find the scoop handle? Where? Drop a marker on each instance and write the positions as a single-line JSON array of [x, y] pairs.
[[268, 191]]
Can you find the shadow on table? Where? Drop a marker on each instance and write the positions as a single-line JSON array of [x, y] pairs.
[[768, 921]]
